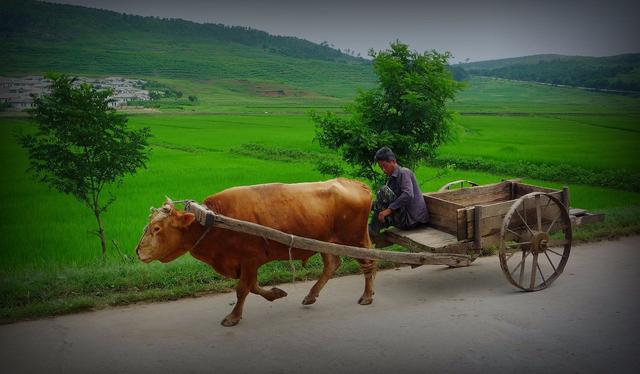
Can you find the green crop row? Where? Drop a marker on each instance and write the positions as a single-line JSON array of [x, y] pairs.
[[612, 178]]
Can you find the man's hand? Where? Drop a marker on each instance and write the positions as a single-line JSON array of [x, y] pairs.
[[384, 213]]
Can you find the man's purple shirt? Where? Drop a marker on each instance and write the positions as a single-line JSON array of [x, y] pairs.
[[403, 183]]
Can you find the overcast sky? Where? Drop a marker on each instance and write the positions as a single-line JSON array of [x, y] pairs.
[[478, 30]]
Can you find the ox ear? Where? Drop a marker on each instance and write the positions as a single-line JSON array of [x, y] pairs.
[[184, 219]]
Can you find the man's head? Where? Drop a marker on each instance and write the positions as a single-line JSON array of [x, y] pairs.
[[386, 160]]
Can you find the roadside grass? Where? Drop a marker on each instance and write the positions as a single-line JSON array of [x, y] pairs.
[[33, 294]]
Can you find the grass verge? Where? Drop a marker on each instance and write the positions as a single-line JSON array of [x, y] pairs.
[[34, 294]]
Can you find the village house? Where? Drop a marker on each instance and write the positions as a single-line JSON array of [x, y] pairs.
[[18, 92]]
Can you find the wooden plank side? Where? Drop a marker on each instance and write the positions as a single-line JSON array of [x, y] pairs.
[[442, 214], [549, 213], [461, 217], [473, 193], [470, 213], [492, 198], [501, 208], [444, 224]]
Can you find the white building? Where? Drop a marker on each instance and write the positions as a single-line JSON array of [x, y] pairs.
[[18, 91]]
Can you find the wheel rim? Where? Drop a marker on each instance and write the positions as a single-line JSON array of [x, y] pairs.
[[535, 241], [460, 184]]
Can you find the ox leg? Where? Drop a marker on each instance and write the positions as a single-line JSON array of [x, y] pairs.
[[248, 276], [272, 294], [368, 268], [331, 263]]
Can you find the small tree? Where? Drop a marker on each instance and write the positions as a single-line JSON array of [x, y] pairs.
[[82, 145], [406, 111]]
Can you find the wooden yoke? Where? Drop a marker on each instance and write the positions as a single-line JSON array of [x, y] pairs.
[[208, 218]]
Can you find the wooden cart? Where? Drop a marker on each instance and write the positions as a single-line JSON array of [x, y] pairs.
[[530, 226]]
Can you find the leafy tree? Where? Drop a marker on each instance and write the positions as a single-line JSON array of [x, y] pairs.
[[406, 111], [82, 145]]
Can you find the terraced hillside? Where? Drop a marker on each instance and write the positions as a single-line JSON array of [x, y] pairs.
[[36, 37]]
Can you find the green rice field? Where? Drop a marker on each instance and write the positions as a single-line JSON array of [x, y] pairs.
[[51, 262]]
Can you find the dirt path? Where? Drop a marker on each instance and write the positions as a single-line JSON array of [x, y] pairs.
[[429, 319]]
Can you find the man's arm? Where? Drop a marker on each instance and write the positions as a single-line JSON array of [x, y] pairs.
[[406, 194]]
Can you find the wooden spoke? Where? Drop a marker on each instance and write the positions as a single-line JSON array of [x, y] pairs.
[[556, 243], [538, 213], [553, 223], [518, 243], [542, 275], [546, 206], [514, 237], [550, 262], [524, 221], [554, 252], [513, 232], [524, 255], [532, 284]]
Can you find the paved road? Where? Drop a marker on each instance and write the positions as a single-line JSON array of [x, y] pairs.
[[429, 319]]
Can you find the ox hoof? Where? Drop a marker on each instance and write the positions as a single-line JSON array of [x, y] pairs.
[[278, 293], [308, 300], [365, 300], [229, 321]]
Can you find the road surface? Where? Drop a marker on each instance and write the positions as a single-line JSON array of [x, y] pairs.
[[430, 319]]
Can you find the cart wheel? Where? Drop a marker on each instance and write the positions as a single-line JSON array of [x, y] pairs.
[[527, 235], [455, 184]]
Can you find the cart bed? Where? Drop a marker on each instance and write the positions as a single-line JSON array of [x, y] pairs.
[[471, 218], [426, 239]]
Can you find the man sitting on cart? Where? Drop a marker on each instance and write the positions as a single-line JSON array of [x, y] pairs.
[[399, 202]]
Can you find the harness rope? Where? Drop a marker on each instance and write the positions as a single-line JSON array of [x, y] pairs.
[[207, 220], [158, 214], [293, 267]]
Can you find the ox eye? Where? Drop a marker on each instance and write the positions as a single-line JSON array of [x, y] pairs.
[[156, 229]]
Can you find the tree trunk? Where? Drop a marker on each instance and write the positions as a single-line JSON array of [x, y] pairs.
[[103, 241]]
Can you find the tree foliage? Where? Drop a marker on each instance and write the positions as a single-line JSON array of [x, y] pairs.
[[406, 111], [82, 145]]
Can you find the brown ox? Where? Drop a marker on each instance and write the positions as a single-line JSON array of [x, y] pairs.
[[333, 211]]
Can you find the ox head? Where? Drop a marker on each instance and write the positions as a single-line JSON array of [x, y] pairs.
[[162, 238]]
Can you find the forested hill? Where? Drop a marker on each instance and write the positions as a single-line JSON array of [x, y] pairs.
[[38, 36], [620, 72]]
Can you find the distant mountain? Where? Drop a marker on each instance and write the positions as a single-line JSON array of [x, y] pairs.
[[36, 37], [621, 72], [472, 67]]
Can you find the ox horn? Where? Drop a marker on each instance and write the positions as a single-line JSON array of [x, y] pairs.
[[168, 203]]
